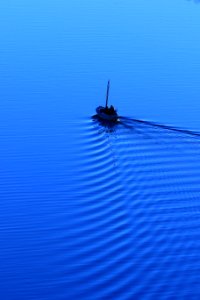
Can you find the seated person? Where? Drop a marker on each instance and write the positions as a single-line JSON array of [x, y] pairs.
[[109, 110]]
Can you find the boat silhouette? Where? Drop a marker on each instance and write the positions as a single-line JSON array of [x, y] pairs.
[[107, 113]]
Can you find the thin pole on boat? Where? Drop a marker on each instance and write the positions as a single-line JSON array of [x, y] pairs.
[[107, 94]]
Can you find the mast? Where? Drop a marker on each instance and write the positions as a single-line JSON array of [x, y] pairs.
[[107, 93]]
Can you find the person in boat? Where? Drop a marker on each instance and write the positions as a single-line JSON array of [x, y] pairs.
[[109, 110]]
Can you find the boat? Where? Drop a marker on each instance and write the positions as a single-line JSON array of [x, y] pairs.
[[107, 113]]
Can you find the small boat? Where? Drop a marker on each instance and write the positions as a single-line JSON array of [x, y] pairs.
[[107, 113]]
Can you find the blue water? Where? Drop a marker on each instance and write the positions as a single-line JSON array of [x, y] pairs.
[[89, 212]]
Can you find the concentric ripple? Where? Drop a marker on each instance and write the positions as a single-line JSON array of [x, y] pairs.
[[136, 226]]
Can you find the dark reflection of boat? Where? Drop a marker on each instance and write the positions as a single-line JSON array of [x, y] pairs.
[[108, 114]]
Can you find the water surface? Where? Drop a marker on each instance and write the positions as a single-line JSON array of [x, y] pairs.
[[88, 212]]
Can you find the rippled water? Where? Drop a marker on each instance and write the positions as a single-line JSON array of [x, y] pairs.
[[90, 212], [138, 215], [118, 218]]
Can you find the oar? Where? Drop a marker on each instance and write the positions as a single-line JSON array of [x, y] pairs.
[[170, 128]]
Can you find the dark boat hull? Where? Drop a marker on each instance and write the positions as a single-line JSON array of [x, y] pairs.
[[104, 116]]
